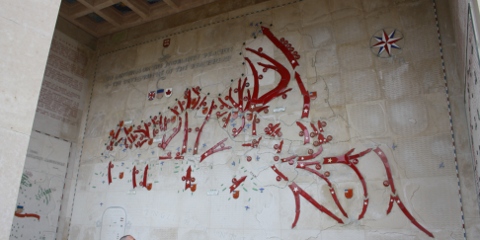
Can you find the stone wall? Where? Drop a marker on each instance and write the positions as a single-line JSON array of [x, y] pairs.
[[27, 29], [454, 37], [44, 203], [185, 126]]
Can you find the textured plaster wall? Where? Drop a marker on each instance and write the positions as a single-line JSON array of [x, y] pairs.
[[59, 125], [78, 48], [27, 29], [459, 13], [397, 104], [453, 22]]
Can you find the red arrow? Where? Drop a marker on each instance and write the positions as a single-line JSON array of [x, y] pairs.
[[237, 183]]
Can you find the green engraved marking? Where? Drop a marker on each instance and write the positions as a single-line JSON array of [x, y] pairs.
[[25, 181], [44, 194]]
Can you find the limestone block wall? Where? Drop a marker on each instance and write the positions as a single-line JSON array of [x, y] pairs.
[[455, 45], [288, 119], [70, 66], [27, 29], [65, 88], [44, 203]]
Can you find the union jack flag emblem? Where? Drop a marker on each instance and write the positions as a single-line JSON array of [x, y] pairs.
[[151, 95]]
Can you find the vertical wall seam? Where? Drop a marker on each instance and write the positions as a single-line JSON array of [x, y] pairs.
[[82, 144], [64, 184], [450, 116]]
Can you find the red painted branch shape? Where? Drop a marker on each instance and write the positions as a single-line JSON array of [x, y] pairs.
[[297, 192], [304, 166], [145, 175], [304, 133], [280, 89], [254, 125], [280, 174], [220, 146], [306, 96], [188, 178], [278, 147], [311, 155], [236, 131], [397, 200], [110, 166], [284, 46], [165, 143], [319, 133], [169, 156], [199, 130], [273, 130], [394, 198], [289, 159], [134, 176], [27, 215], [253, 144], [185, 136], [351, 161], [237, 183]]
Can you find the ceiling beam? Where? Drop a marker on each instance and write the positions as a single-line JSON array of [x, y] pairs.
[[137, 7], [110, 16], [172, 4]]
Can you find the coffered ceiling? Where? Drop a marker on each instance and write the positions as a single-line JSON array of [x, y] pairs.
[[102, 17]]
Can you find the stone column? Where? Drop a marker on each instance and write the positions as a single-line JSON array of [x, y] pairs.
[[26, 28]]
